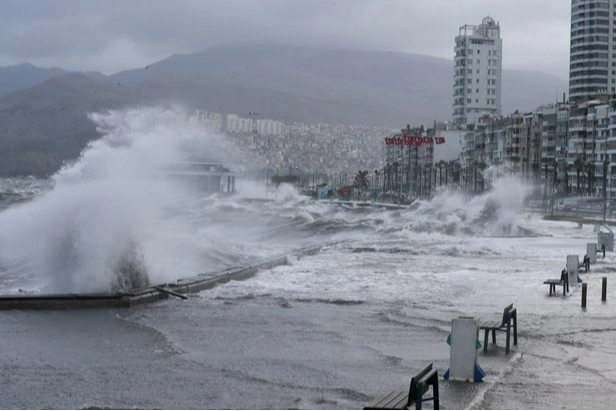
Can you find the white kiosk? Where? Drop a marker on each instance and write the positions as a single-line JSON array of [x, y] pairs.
[[573, 266], [463, 343], [591, 252]]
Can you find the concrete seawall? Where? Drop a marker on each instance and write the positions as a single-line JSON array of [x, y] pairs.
[[146, 295]]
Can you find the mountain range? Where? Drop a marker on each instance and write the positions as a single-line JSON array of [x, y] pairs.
[[42, 111]]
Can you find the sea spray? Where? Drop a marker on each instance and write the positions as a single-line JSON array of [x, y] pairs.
[[101, 228]]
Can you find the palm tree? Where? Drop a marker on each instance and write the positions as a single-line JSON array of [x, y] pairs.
[[386, 177], [441, 164], [455, 171], [579, 167], [361, 180], [481, 165], [396, 165], [590, 171]]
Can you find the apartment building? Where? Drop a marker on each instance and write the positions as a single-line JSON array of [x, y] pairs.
[[592, 53], [477, 72]]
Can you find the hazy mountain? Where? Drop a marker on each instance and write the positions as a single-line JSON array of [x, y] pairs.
[[44, 125], [369, 87], [24, 76]]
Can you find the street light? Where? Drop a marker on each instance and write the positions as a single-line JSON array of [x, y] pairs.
[[605, 164]]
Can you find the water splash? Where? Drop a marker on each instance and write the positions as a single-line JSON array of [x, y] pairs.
[[102, 226], [113, 222]]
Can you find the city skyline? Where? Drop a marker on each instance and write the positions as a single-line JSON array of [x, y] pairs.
[[118, 35]]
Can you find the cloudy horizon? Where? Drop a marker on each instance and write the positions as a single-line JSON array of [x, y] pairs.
[[118, 35]]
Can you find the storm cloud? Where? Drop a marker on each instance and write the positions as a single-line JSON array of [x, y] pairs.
[[114, 35]]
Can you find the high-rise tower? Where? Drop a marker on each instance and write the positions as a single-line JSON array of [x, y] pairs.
[[592, 52], [477, 72]]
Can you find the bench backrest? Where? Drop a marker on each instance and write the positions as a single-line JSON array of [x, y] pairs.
[[507, 314], [421, 381]]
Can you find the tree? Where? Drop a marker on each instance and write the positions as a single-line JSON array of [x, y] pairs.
[[566, 169], [441, 164], [387, 176], [360, 181], [579, 167], [277, 180], [455, 171], [590, 172]]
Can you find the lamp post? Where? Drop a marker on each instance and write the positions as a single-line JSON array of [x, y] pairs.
[[605, 163]]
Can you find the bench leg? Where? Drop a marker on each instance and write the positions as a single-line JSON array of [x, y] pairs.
[[418, 398], [552, 287], [437, 405], [493, 336], [567, 281], [515, 328], [508, 337], [485, 340]]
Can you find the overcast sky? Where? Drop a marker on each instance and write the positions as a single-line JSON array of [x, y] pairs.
[[114, 35]]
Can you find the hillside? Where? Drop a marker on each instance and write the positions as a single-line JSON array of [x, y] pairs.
[[22, 76], [366, 87], [46, 124]]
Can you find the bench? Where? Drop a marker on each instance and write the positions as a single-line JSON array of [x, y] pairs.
[[562, 282], [585, 264], [403, 400], [602, 250], [509, 320]]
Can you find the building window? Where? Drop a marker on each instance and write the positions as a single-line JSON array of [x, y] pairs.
[[469, 100], [469, 90]]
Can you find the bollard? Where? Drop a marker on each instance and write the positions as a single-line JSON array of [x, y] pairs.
[[604, 289], [584, 295]]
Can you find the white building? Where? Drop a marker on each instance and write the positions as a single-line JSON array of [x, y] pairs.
[[269, 127], [477, 72], [592, 53]]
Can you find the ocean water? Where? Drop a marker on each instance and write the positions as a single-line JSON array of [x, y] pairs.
[[329, 331]]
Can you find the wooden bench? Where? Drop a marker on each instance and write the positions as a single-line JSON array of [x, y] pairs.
[[509, 320], [403, 400], [562, 282]]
